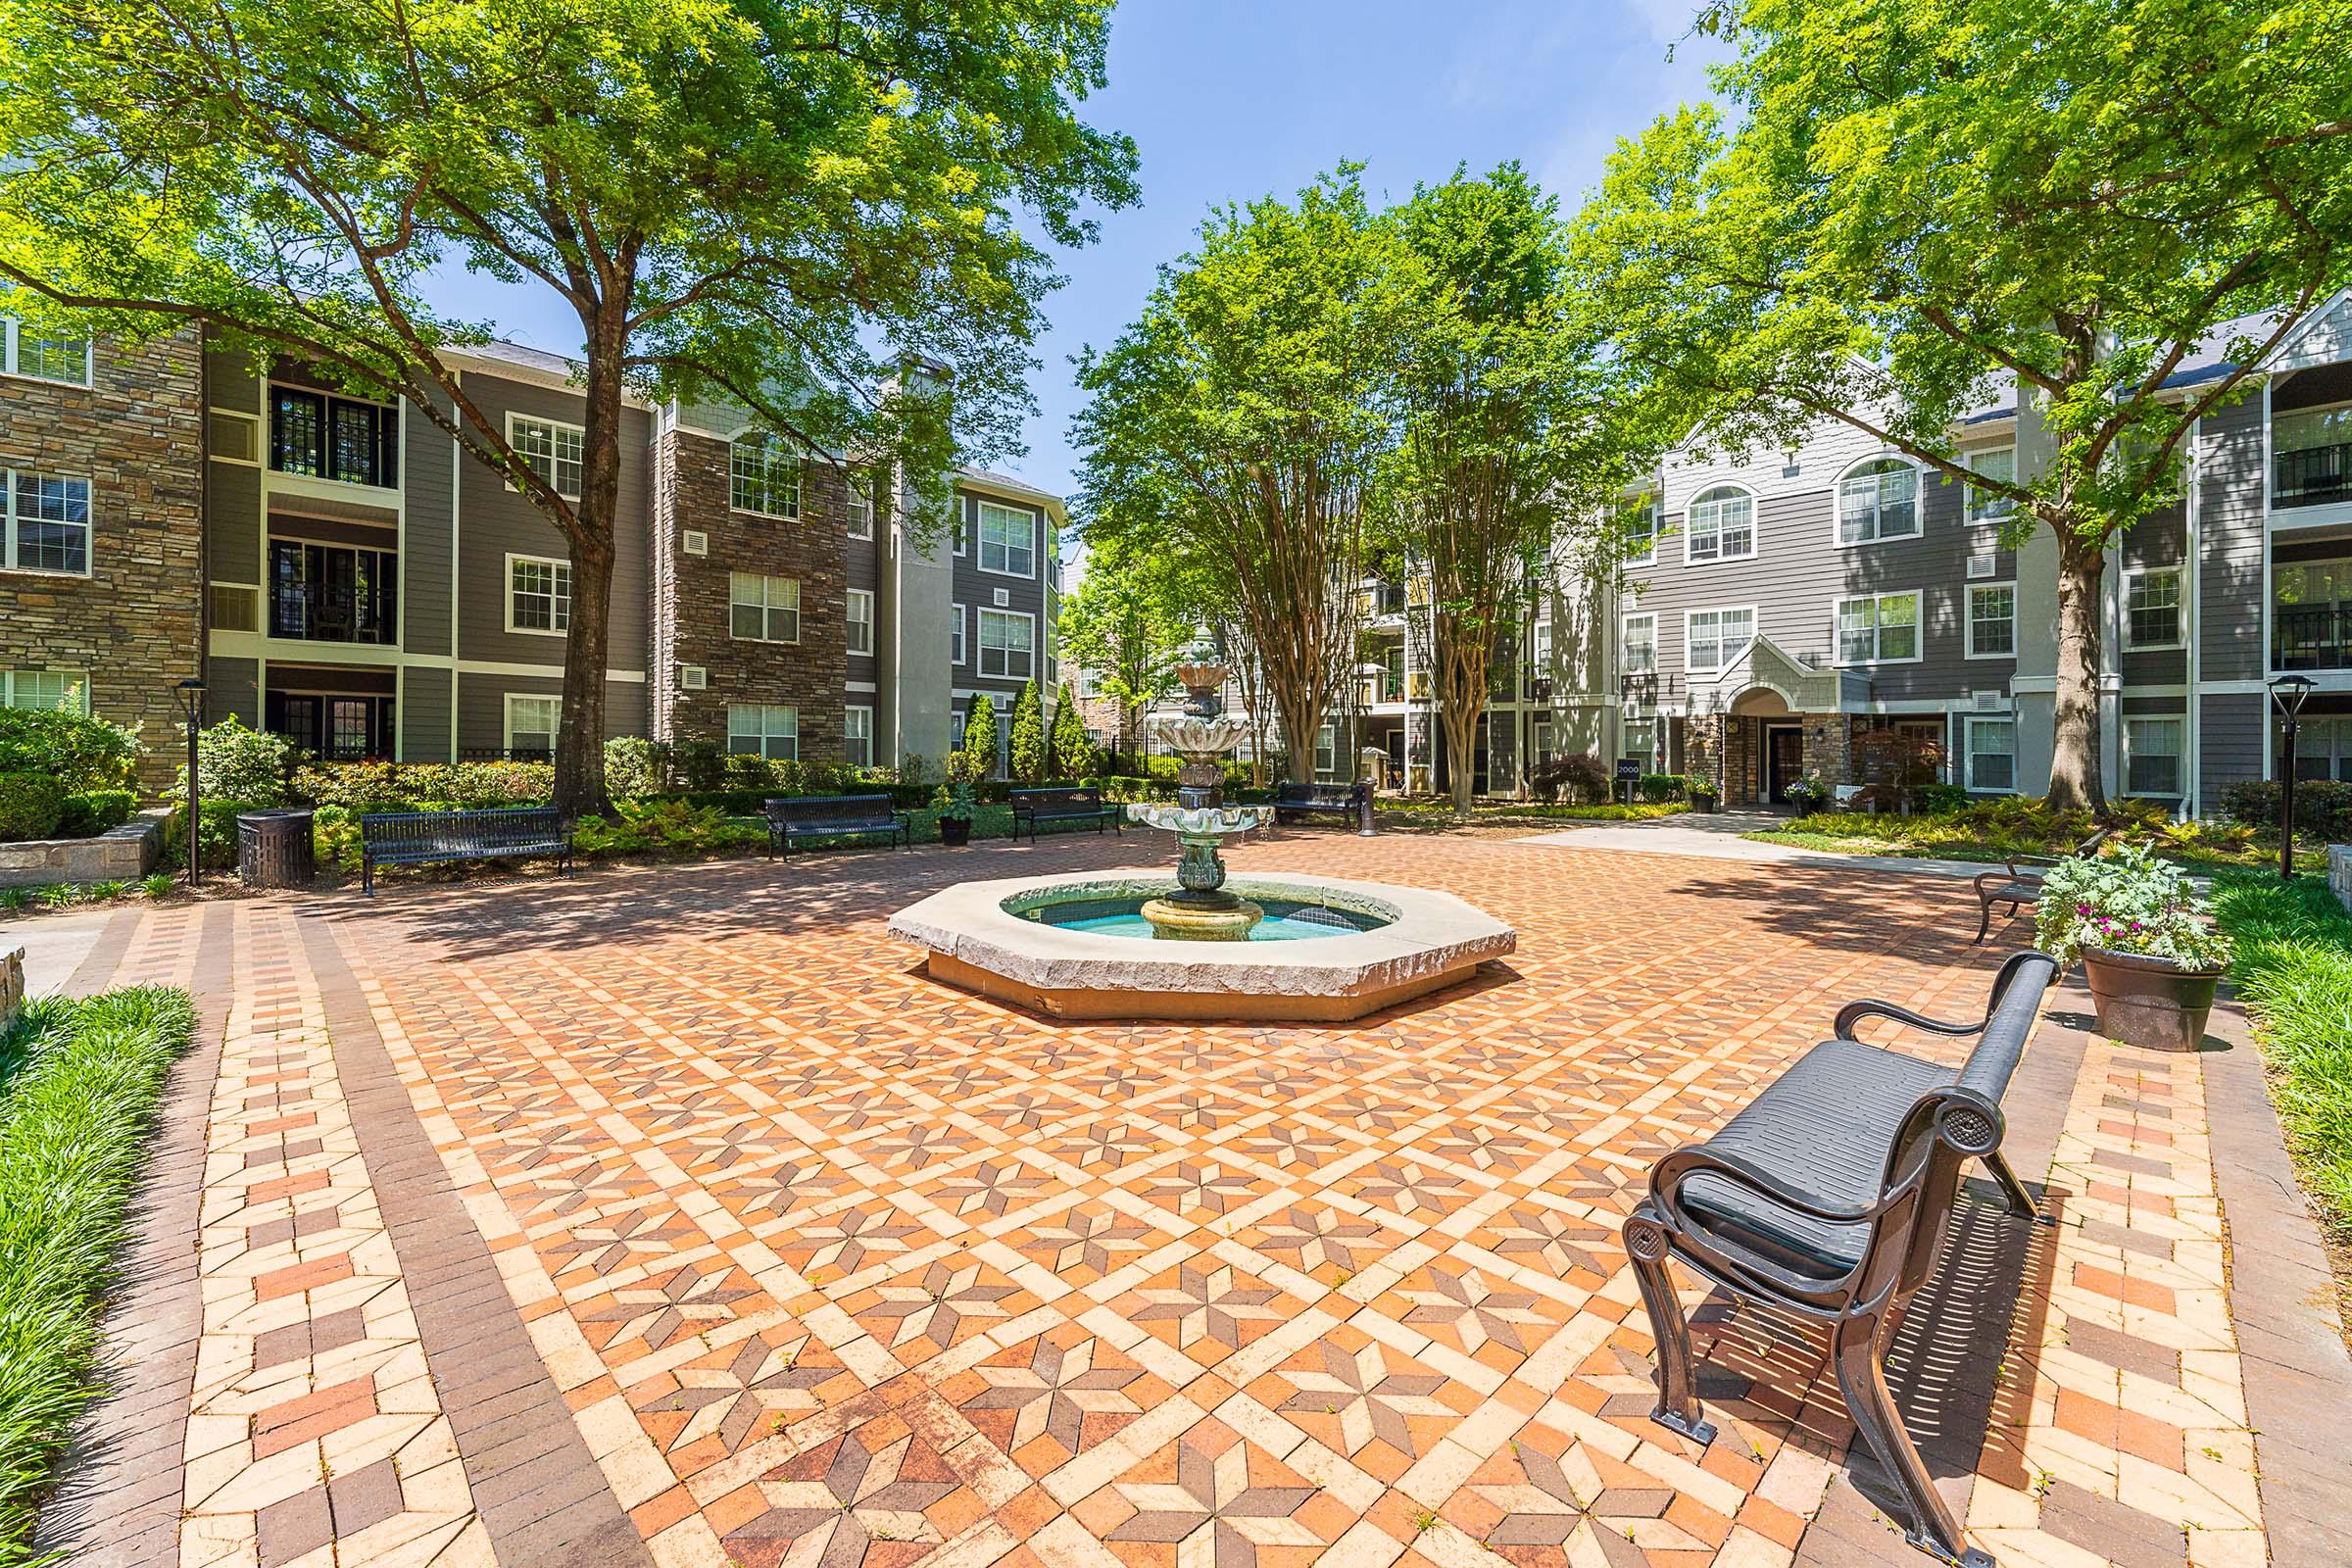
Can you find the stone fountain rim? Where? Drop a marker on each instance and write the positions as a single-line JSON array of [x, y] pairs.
[[1433, 933]]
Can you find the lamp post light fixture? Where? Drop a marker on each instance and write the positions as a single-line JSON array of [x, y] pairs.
[[190, 694], [2289, 693]]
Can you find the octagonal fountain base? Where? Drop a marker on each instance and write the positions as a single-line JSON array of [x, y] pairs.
[[1329, 949]]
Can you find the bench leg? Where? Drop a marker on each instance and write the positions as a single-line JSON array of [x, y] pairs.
[[2020, 1202], [1678, 1384], [1983, 921], [1854, 1347]]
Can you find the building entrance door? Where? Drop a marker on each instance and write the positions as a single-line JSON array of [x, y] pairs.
[[1784, 761]]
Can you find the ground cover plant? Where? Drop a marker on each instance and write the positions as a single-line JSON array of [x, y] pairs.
[[78, 1081], [2019, 825]]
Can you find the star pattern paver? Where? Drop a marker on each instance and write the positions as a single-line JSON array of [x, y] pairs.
[[1413, 1189], [1319, 1236], [1054, 1393], [990, 1188], [1211, 1514], [1210, 1186], [1094, 1239], [1473, 1311], [1207, 1303], [833, 1506], [1367, 1399], [850, 1239], [943, 1305], [1558, 1243], [1543, 1515]]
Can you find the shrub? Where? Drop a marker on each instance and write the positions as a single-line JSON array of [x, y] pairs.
[[1659, 787], [671, 825], [335, 837], [1583, 777], [1696, 785], [1028, 750], [631, 766], [1934, 798], [2323, 807], [407, 786], [16, 901], [2126, 901], [62, 894], [107, 891], [218, 834], [158, 884], [980, 734], [78, 751], [93, 812], [236, 764], [1073, 753], [30, 806]]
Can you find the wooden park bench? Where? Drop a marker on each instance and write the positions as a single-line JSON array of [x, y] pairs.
[[1829, 1194], [1082, 803], [419, 838], [2019, 883], [1351, 801], [832, 816]]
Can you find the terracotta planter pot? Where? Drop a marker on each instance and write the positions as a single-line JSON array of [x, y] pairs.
[[2156, 1004], [956, 831]]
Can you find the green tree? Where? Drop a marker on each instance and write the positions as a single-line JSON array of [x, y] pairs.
[[1128, 623], [1029, 736], [1515, 432], [1234, 427], [1073, 752], [980, 735], [1924, 206], [771, 205]]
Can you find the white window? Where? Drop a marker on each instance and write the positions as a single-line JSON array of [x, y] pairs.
[[60, 690], [1722, 526], [1994, 462], [763, 610], [1992, 755], [1640, 644], [1641, 534], [1713, 638], [857, 736], [1007, 541], [1006, 639], [2152, 609], [2153, 751], [1992, 619], [533, 722], [861, 622], [955, 638], [48, 524], [862, 506], [764, 729], [764, 476], [1327, 749], [1878, 629], [538, 594], [44, 359], [1640, 740], [552, 450], [1879, 500]]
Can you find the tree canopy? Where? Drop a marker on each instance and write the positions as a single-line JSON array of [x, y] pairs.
[[1128, 623], [779, 206], [1924, 209]]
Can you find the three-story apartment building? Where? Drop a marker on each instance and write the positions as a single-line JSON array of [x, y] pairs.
[[338, 572]]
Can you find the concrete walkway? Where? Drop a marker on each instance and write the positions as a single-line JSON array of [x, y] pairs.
[[1717, 836], [55, 946]]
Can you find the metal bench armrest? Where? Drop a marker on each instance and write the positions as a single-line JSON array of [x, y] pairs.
[[1667, 1176], [1853, 1012]]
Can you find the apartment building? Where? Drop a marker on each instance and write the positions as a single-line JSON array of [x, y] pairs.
[[339, 573]]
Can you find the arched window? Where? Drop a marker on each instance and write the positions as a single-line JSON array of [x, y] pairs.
[[1722, 526], [1877, 500], [764, 476]]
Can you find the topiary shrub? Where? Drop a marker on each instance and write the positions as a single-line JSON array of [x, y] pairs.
[[31, 805], [631, 767], [77, 751], [980, 736], [1028, 750], [90, 812]]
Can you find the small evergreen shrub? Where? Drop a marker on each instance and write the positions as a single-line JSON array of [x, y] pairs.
[[94, 811], [30, 806], [77, 751]]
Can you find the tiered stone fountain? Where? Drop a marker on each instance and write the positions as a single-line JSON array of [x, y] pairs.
[[1204, 735]]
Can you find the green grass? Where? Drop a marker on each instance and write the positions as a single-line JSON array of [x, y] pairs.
[[78, 1081], [2197, 846], [2293, 967]]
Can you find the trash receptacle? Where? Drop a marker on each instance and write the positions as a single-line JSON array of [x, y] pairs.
[[273, 848]]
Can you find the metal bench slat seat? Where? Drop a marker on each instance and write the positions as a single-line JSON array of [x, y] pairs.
[[1055, 803], [423, 838], [1829, 1194], [828, 816], [2021, 890], [1294, 800]]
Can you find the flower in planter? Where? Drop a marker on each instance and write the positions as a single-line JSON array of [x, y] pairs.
[[2127, 901]]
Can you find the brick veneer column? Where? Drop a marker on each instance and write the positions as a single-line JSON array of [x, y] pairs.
[[135, 622]]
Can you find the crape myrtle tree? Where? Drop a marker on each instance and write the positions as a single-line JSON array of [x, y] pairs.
[[1128, 623], [1236, 424], [1514, 429], [775, 205], [1924, 204]]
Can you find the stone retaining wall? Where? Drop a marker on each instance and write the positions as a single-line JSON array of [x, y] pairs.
[[119, 855], [2339, 872]]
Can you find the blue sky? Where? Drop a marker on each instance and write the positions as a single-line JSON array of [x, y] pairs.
[[1231, 99]]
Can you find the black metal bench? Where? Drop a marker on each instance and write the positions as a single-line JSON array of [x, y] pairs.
[[1829, 1194], [1081, 802], [1352, 802], [2019, 883], [832, 816], [419, 838]]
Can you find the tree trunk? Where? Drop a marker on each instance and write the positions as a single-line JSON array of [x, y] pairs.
[[587, 650], [2075, 781], [1301, 719]]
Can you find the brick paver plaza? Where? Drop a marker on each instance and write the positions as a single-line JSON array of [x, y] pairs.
[[672, 1215]]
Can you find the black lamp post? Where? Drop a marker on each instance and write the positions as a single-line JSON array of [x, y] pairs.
[[190, 696], [2289, 692]]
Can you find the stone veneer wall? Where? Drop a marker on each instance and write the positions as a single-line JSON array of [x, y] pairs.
[[136, 622], [691, 600]]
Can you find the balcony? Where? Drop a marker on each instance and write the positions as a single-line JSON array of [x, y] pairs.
[[2311, 476], [1379, 600], [326, 594], [2311, 637]]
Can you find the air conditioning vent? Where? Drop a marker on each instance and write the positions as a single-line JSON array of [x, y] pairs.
[[1992, 702], [695, 542], [234, 437], [1002, 598], [693, 677], [1979, 565]]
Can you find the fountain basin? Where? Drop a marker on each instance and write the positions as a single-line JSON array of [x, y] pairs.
[[1041, 943]]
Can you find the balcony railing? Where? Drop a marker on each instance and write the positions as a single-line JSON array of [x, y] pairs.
[[323, 615], [2311, 637], [2311, 476]]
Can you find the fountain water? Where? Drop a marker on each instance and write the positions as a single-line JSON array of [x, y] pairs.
[[1204, 735]]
